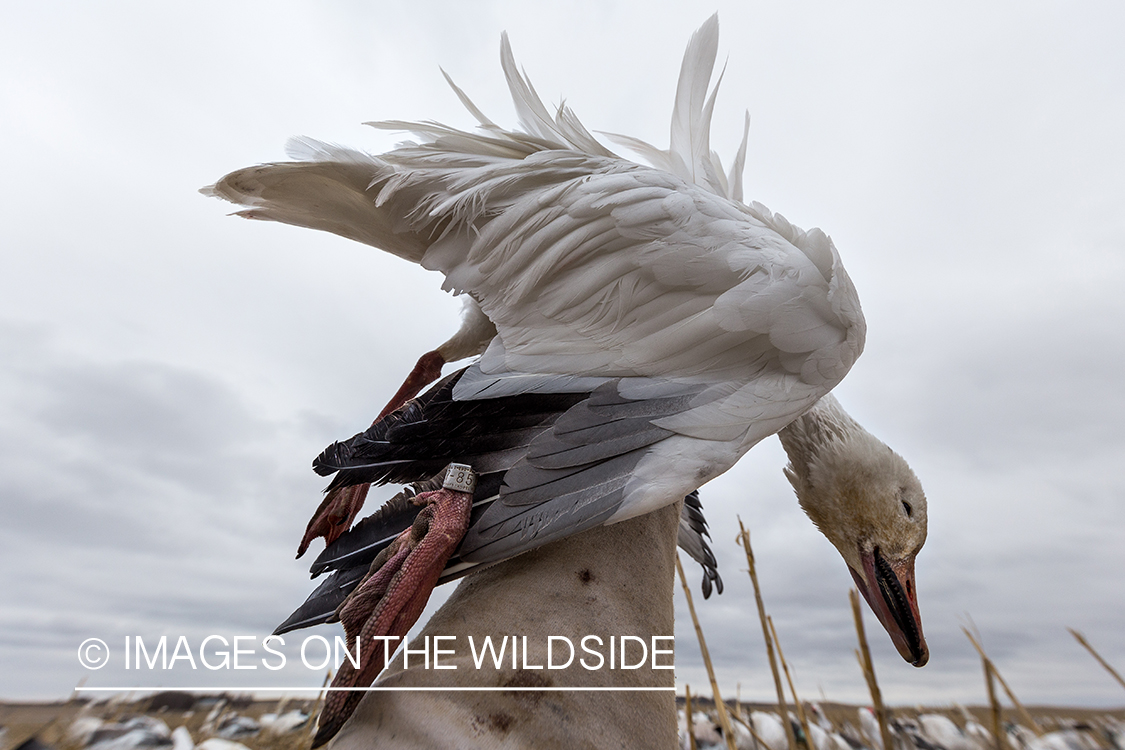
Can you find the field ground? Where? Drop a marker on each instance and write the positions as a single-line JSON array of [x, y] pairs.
[[49, 721]]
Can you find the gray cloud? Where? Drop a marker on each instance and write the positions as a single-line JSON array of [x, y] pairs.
[[167, 373]]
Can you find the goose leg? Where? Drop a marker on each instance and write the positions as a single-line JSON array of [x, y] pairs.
[[390, 600], [340, 507], [426, 370]]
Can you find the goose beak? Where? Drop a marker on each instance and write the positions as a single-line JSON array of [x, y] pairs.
[[889, 590]]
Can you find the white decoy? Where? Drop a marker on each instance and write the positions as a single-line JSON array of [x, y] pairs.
[[767, 725], [651, 328], [1114, 732], [236, 727], [283, 723], [217, 743], [943, 732], [869, 728], [707, 733], [1019, 735], [131, 734], [976, 731], [823, 739], [1062, 739], [82, 729], [181, 739]]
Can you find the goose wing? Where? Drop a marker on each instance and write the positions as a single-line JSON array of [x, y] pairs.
[[691, 324]]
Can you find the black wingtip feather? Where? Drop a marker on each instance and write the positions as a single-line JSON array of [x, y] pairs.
[[425, 434], [693, 512], [331, 459]]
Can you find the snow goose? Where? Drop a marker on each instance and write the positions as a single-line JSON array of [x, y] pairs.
[[650, 329]]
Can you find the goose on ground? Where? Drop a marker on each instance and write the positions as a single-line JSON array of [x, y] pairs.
[[944, 732]]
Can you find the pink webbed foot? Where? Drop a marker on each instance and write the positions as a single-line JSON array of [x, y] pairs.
[[334, 516], [394, 593], [339, 508]]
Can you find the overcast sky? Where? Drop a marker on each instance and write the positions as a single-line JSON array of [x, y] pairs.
[[168, 372]]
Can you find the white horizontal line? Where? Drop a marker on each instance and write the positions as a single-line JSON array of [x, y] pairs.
[[228, 688]]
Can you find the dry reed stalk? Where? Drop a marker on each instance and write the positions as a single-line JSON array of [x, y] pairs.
[[783, 708], [997, 722], [314, 714], [1027, 717], [1079, 637], [864, 656], [801, 717], [720, 707], [690, 722], [77, 688]]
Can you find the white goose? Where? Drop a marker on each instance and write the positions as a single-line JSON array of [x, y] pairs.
[[651, 328]]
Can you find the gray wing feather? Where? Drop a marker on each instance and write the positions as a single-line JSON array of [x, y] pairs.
[[574, 475], [553, 510], [603, 426], [489, 378]]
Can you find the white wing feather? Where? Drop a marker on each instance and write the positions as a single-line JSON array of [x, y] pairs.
[[595, 268]]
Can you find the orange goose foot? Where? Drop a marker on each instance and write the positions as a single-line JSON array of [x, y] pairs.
[[340, 507], [394, 593]]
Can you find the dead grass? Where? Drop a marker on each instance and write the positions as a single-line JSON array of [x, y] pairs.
[[50, 721], [1049, 717]]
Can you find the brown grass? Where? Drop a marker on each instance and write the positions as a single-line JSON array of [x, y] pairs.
[[1049, 717], [49, 721]]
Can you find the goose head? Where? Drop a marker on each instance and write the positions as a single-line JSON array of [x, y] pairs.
[[866, 499]]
